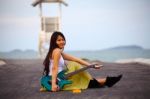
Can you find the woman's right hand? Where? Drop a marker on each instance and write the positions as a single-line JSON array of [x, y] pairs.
[[55, 87], [98, 66]]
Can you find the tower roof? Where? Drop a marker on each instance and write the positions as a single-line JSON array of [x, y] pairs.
[[36, 2]]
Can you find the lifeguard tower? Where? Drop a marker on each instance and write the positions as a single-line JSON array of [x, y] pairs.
[[49, 24]]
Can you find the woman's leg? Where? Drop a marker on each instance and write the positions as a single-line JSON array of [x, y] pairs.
[[101, 81], [109, 81]]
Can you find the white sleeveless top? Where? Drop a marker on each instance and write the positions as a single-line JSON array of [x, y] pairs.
[[61, 65]]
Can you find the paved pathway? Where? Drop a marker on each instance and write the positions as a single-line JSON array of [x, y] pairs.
[[19, 79]]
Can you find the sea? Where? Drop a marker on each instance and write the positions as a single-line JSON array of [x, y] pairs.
[[112, 55], [106, 55]]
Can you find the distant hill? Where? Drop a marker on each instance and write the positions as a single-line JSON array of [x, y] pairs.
[[129, 47], [113, 54], [19, 54], [110, 54]]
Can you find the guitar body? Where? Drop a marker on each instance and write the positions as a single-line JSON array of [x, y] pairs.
[[61, 81]]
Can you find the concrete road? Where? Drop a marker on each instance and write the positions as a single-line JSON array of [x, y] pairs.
[[19, 79]]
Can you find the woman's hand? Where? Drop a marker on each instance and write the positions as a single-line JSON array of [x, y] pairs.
[[55, 87], [97, 66]]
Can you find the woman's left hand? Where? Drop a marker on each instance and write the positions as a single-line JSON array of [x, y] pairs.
[[97, 66]]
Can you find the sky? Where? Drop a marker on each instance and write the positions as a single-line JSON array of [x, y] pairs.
[[86, 24]]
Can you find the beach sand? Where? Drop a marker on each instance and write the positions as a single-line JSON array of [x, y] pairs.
[[19, 79]]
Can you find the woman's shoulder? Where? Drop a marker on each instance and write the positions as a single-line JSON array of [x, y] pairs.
[[57, 51]]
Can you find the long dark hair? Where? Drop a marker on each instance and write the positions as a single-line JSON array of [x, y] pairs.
[[52, 46]]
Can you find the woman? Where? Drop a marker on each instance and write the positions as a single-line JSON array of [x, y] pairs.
[[54, 63]]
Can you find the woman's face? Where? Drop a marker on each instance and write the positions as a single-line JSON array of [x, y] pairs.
[[60, 42]]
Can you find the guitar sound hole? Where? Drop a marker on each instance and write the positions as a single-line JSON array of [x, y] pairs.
[[50, 82]]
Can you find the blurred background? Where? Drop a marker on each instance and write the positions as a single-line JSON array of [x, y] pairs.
[[107, 30]]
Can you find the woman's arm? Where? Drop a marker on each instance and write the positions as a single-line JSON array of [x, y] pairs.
[[55, 56], [72, 58]]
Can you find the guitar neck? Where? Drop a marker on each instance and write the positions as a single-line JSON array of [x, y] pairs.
[[77, 71]]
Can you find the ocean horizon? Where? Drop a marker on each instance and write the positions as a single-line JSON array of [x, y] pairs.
[[107, 55], [111, 55]]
